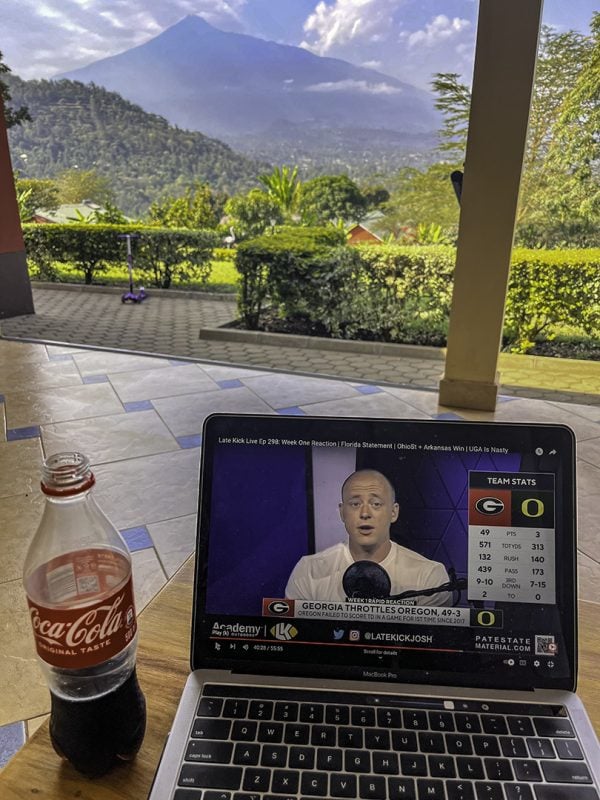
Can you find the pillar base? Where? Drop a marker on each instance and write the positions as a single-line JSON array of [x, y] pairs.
[[15, 297], [477, 395]]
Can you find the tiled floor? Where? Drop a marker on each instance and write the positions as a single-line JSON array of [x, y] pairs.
[[139, 419]]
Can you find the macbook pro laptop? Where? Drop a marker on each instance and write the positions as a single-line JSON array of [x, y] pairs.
[[383, 609]]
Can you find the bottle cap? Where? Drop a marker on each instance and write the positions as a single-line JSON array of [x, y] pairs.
[[65, 474]]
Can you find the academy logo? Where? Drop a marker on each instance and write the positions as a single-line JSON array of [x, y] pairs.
[[284, 631], [489, 505], [236, 629]]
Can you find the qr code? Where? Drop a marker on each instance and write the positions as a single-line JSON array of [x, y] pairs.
[[88, 584], [545, 646]]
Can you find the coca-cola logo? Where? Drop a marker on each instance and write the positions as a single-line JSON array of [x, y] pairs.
[[73, 634], [96, 624]]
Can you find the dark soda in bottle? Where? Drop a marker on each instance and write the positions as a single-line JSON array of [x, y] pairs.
[[79, 587]]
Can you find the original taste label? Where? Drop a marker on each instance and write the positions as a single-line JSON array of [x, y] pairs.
[[85, 636]]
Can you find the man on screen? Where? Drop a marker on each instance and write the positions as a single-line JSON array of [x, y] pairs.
[[368, 508]]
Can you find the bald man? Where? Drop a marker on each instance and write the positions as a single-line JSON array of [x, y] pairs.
[[368, 508]]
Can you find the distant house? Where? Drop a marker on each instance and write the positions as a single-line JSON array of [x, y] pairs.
[[68, 212], [359, 234]]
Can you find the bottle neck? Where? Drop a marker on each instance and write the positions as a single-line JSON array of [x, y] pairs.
[[63, 499], [66, 474]]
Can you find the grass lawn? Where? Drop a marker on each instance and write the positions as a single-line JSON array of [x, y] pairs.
[[223, 277]]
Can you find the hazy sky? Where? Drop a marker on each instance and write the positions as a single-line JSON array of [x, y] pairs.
[[410, 39]]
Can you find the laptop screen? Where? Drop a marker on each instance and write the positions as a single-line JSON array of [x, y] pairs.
[[395, 550]]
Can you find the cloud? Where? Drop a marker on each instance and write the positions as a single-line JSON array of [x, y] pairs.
[[373, 64], [440, 29], [354, 86], [347, 21], [83, 31]]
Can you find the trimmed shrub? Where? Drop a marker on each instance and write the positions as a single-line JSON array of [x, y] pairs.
[[406, 290], [165, 254], [550, 288], [42, 253], [161, 253], [284, 267], [224, 254], [404, 293], [88, 247]]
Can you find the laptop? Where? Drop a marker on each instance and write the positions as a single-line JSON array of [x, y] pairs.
[[383, 608]]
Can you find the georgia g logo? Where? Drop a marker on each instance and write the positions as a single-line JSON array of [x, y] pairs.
[[278, 607], [489, 506]]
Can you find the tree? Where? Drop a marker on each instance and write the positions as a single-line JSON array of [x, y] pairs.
[[34, 194], [42, 193], [12, 116], [559, 185], [284, 187], [331, 197], [24, 204], [454, 101], [197, 208], [111, 215], [253, 213], [576, 144], [421, 197], [560, 61], [76, 185], [375, 196]]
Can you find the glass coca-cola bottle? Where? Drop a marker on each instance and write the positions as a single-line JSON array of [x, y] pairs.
[[78, 581]]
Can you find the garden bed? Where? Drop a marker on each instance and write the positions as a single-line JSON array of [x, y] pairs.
[[571, 347]]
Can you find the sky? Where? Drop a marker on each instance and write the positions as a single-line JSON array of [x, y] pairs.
[[408, 39]]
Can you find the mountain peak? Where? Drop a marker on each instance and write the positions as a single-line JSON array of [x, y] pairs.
[[225, 83], [193, 21]]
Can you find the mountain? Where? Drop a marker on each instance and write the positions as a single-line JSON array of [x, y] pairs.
[[88, 127], [230, 85]]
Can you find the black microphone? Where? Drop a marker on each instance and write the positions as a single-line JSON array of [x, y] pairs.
[[366, 580], [453, 585]]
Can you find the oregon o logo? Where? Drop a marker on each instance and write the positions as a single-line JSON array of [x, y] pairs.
[[489, 505], [532, 507], [486, 618]]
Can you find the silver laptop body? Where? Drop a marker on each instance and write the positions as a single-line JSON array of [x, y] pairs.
[[383, 609]]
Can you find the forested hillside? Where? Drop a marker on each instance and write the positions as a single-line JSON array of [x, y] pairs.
[[86, 127]]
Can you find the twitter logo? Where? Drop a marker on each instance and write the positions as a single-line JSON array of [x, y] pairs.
[[338, 634]]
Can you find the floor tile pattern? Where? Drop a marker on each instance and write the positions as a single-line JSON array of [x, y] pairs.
[[170, 325], [140, 419]]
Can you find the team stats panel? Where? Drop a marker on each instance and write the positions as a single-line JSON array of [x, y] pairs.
[[511, 537]]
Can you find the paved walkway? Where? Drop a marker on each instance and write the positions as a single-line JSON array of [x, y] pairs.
[[169, 325]]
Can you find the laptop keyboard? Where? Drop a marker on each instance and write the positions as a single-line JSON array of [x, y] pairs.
[[255, 743]]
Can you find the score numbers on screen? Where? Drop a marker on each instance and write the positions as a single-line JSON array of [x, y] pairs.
[[511, 537]]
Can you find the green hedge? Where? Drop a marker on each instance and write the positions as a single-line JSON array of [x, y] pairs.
[[407, 294], [549, 288], [160, 254], [404, 293], [285, 266], [224, 254]]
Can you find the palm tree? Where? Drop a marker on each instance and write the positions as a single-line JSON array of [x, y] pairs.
[[283, 186]]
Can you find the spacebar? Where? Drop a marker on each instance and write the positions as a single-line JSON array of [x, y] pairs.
[[207, 776], [570, 792]]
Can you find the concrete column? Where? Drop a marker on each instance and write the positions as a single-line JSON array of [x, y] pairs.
[[505, 57], [15, 287]]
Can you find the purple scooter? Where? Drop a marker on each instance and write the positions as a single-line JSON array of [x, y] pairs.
[[131, 296]]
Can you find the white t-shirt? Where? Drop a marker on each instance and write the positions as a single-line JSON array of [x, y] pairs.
[[319, 576]]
